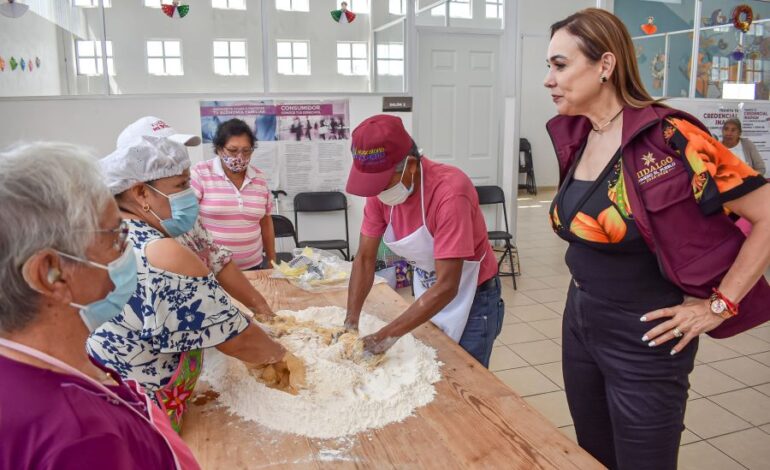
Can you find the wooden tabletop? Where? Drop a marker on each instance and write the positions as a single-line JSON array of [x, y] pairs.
[[475, 421]]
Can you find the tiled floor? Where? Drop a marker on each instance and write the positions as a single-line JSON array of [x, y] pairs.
[[728, 416]]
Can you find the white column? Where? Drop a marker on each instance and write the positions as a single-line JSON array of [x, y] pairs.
[[509, 128]]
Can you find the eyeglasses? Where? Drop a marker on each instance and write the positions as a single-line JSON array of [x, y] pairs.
[[234, 152], [121, 235]]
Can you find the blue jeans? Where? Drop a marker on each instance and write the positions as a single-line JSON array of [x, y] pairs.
[[484, 323]]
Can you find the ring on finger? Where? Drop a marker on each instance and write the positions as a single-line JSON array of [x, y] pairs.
[[677, 333]]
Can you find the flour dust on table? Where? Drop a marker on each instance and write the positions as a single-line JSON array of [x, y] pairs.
[[344, 394]]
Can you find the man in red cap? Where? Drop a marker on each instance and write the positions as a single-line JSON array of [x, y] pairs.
[[429, 214]]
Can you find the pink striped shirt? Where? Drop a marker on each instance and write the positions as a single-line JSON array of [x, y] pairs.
[[232, 214]]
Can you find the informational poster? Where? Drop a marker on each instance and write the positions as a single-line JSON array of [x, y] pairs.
[[754, 116], [301, 145], [756, 126]]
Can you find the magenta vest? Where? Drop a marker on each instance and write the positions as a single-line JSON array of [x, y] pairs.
[[694, 250]]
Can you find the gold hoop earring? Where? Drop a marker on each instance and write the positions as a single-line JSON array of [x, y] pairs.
[[146, 207]]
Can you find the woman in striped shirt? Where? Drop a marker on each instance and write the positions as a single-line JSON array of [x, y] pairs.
[[234, 198]]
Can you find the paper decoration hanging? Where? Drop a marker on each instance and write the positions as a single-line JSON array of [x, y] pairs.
[[649, 27], [37, 62], [343, 15], [737, 54], [743, 15], [30, 64], [23, 64], [657, 68], [11, 9], [2, 64], [13, 63], [169, 9]]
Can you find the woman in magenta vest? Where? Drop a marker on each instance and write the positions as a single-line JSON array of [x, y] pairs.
[[66, 268], [643, 202]]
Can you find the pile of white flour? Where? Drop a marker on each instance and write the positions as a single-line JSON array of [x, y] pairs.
[[341, 397]]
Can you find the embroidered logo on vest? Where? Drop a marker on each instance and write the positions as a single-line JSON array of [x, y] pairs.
[[648, 159], [654, 169]]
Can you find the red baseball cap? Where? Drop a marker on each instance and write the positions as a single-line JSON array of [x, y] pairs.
[[380, 143]]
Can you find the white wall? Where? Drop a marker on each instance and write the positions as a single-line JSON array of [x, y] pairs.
[[323, 33], [28, 37], [96, 123], [393, 34], [380, 13], [534, 23], [196, 31], [130, 25]]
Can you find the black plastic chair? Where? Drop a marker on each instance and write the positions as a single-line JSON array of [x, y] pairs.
[[527, 167], [489, 195], [283, 228], [323, 202]]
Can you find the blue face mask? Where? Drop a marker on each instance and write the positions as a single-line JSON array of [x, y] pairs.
[[184, 212], [123, 275]]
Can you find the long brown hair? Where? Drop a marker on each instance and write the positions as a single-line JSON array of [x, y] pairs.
[[599, 31]]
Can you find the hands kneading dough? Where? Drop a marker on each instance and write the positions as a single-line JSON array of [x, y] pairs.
[[287, 375], [283, 325], [354, 351], [353, 346]]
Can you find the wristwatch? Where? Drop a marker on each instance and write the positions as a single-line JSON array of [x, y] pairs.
[[721, 306]]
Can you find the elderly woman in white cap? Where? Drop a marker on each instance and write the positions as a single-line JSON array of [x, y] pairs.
[[178, 309], [218, 258], [65, 268]]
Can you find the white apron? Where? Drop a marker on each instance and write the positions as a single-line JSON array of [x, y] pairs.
[[417, 248]]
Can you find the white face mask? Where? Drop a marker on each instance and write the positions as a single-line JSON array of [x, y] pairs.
[[397, 194]]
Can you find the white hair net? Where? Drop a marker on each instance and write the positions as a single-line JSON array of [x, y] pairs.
[[148, 159]]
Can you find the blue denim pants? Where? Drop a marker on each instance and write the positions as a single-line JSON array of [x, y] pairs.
[[484, 323]]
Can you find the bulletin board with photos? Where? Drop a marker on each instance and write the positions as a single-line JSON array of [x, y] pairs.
[[301, 145]]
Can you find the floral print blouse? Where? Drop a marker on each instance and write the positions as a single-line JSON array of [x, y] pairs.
[[202, 243], [167, 315]]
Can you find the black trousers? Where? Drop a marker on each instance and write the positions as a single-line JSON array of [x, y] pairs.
[[627, 399]]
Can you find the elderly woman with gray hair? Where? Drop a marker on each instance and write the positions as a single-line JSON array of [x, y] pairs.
[[178, 308], [65, 269], [742, 147]]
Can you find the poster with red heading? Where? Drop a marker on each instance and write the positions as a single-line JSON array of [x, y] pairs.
[[301, 145], [756, 126]]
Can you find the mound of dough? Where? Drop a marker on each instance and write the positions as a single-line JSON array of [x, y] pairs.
[[353, 350], [282, 325]]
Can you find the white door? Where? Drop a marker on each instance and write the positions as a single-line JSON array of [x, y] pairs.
[[458, 110]]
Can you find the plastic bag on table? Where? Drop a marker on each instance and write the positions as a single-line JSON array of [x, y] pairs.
[[315, 270]]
